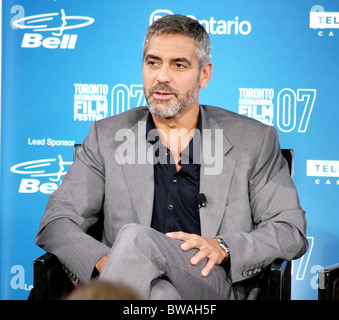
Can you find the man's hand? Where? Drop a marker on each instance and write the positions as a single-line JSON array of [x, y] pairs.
[[101, 263], [208, 248]]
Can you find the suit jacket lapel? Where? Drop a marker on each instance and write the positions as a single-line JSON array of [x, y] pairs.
[[214, 182], [139, 173]]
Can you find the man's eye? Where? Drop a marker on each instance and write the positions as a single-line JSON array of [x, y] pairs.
[[180, 66], [152, 63]]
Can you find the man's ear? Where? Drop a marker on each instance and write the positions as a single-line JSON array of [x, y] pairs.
[[206, 74]]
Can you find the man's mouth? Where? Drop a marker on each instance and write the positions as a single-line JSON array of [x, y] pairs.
[[162, 95], [163, 92]]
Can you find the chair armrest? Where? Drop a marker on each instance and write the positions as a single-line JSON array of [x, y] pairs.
[[329, 283], [276, 281], [50, 279], [280, 280], [278, 265]]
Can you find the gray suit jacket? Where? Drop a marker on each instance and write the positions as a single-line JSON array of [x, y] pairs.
[[252, 202]]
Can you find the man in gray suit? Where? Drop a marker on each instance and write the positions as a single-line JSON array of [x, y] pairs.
[[197, 200]]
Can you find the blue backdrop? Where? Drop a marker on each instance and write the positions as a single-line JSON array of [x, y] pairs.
[[66, 63]]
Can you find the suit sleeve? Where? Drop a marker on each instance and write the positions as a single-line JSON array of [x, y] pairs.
[[72, 209], [279, 221]]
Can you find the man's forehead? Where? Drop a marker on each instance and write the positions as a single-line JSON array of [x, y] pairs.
[[171, 45]]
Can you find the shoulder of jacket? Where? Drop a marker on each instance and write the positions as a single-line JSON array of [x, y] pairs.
[[230, 118], [125, 119]]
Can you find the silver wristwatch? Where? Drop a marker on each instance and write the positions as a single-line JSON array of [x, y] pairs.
[[224, 246]]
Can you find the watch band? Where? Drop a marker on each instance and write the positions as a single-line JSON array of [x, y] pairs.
[[224, 246]]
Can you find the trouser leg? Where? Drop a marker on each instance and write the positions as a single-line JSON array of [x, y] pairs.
[[162, 289], [141, 255]]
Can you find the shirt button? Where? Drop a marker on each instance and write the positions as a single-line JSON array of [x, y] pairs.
[[170, 207]]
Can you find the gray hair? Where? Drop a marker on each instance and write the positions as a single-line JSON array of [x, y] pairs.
[[178, 24]]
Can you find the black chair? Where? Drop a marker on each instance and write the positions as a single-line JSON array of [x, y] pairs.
[[329, 283], [52, 280]]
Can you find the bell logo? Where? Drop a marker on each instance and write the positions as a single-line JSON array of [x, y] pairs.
[[53, 169], [35, 40], [56, 23]]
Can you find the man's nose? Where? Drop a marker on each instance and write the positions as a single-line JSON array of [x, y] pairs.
[[164, 75]]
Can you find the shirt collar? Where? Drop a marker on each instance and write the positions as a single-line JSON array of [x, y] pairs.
[[191, 154]]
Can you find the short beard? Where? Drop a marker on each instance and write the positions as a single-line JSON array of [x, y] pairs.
[[183, 101]]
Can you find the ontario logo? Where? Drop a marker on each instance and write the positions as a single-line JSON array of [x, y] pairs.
[[55, 23], [45, 175], [212, 26]]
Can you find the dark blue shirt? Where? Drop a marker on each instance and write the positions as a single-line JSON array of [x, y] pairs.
[[175, 206]]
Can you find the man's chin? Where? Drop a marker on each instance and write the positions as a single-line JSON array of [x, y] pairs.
[[163, 111]]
